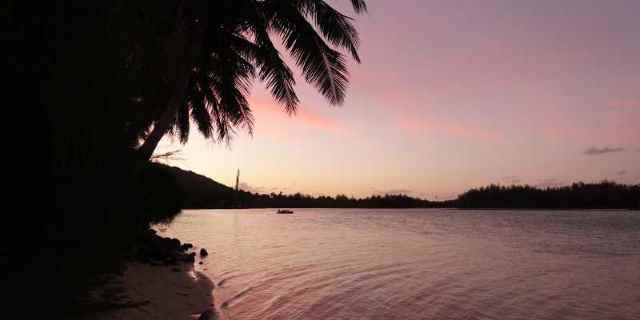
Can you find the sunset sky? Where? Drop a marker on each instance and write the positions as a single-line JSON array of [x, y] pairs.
[[454, 94]]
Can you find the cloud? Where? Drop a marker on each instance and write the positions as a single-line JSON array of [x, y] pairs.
[[272, 117], [249, 188], [428, 125], [625, 104], [320, 122], [593, 151], [621, 172], [550, 183]]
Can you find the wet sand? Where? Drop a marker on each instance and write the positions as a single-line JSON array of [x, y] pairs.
[[159, 292]]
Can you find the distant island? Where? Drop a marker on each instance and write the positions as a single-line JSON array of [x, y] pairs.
[[201, 192], [579, 195]]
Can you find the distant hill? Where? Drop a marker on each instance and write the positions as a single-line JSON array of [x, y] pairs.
[[579, 195], [202, 192]]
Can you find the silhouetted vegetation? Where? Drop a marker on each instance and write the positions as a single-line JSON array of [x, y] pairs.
[[97, 84], [202, 193], [604, 195], [340, 201]]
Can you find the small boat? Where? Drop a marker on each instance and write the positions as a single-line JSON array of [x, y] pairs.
[[284, 211]]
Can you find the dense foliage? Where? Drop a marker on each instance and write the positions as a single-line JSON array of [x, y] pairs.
[[203, 193], [340, 201], [580, 195]]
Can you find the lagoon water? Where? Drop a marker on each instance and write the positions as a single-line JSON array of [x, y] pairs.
[[418, 264]]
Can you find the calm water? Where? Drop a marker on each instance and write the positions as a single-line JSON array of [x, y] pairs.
[[419, 264]]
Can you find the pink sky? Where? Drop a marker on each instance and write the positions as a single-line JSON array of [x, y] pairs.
[[452, 95]]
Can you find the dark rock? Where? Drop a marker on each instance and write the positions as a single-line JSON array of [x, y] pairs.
[[200, 262], [190, 257], [210, 314], [175, 269], [148, 234], [203, 252], [158, 250], [170, 260], [173, 243]]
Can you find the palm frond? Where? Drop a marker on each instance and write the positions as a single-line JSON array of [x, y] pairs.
[[182, 124], [334, 26], [200, 113], [218, 114], [273, 71], [228, 73], [359, 6], [198, 103], [236, 47], [321, 65]]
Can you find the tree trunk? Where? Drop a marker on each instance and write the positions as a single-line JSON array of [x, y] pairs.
[[191, 54], [163, 125]]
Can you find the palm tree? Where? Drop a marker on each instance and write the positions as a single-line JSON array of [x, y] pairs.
[[222, 48]]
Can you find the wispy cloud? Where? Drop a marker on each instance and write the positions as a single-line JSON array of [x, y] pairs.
[[274, 118], [625, 104], [249, 188], [422, 125], [319, 122], [621, 172], [593, 151]]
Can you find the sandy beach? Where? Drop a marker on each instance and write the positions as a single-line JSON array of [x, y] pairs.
[[158, 292]]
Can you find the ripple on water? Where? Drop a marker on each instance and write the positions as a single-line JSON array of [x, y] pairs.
[[420, 264]]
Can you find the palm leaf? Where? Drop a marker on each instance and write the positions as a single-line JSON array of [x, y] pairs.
[[182, 124], [322, 66], [198, 103], [334, 26], [359, 6], [272, 69]]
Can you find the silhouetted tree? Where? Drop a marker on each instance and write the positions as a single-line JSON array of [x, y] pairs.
[[220, 48], [95, 79]]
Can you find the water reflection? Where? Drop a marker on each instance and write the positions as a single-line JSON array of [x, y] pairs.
[[419, 264]]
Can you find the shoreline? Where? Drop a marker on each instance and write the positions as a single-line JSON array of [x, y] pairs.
[[422, 208], [156, 292], [159, 280]]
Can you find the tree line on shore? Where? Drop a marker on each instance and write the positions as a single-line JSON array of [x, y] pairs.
[[204, 193], [603, 195], [299, 200], [580, 195]]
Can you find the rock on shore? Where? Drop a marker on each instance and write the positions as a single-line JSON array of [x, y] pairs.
[[159, 282]]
